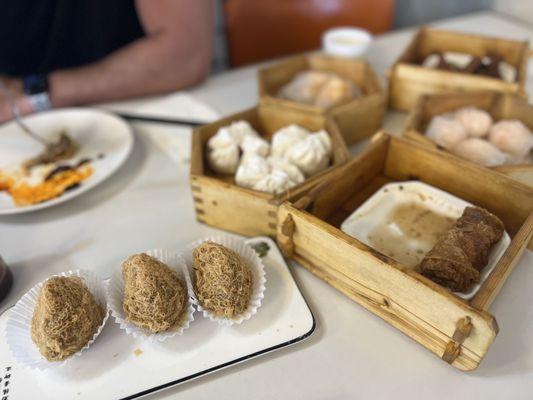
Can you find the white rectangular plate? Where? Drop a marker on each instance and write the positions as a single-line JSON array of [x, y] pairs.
[[117, 366], [375, 211]]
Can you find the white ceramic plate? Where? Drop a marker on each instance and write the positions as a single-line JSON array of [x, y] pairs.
[[376, 210], [118, 366], [97, 132]]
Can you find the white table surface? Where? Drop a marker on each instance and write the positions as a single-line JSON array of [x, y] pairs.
[[353, 353]]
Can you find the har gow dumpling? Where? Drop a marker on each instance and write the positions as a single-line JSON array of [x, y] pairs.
[[475, 121], [481, 152], [286, 137], [445, 131], [512, 137]]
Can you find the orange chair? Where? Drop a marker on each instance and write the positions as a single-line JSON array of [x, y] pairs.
[[263, 29]]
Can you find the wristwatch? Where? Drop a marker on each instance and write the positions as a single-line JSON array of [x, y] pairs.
[[36, 89]]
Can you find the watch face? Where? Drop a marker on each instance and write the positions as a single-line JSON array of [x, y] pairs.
[[34, 84]]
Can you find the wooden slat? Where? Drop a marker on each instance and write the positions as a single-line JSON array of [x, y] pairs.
[[421, 309], [494, 282]]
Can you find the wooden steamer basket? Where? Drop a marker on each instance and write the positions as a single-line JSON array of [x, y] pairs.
[[408, 79], [367, 111], [498, 105], [458, 331], [221, 203]]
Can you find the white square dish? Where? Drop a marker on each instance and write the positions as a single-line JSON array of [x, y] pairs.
[[374, 216]]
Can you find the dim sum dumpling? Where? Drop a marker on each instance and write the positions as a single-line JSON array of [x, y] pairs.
[[222, 138], [275, 182], [475, 121], [294, 173], [481, 152], [512, 137], [286, 137], [252, 169], [255, 145], [310, 154], [336, 91], [241, 129], [224, 160], [445, 131], [304, 87]]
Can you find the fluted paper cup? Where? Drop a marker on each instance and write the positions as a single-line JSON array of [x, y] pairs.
[[18, 327], [252, 260], [116, 297]]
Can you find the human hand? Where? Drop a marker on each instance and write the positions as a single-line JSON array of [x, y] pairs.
[[12, 94]]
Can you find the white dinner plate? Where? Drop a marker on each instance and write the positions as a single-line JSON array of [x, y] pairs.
[[375, 211], [96, 132]]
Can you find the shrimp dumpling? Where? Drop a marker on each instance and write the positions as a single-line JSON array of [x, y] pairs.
[[445, 131], [481, 152], [476, 122], [512, 137], [286, 137]]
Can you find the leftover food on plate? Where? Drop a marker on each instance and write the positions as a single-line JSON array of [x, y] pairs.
[[223, 281], [432, 232], [65, 318], [409, 232], [463, 251], [491, 65], [293, 155], [61, 149], [470, 133], [155, 298], [28, 186], [321, 89]]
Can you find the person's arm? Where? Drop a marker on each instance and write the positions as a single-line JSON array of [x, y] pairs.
[[175, 53]]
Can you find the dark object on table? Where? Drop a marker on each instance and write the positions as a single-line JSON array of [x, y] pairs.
[[463, 251], [6, 280]]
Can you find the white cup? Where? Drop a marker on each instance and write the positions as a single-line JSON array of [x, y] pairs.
[[346, 42]]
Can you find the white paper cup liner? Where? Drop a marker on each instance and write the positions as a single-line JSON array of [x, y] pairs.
[[18, 327], [258, 273], [116, 296]]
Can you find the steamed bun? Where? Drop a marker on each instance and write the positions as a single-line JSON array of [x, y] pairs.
[[251, 169], [311, 154], [255, 145], [304, 87], [224, 160], [276, 182], [286, 137]]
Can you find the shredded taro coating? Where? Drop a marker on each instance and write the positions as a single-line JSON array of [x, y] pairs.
[[223, 280], [155, 298], [66, 317]]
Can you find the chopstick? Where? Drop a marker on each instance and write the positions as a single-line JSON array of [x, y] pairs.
[[144, 118]]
